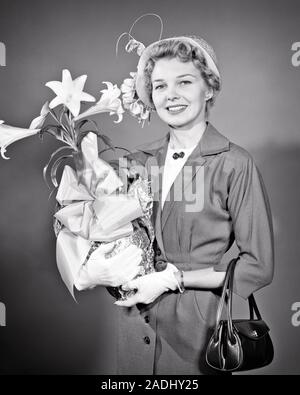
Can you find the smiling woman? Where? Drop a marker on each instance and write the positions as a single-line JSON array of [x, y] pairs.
[[165, 326]]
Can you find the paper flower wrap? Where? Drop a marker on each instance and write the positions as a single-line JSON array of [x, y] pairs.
[[95, 208]]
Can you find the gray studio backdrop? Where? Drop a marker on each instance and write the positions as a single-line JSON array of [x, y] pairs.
[[46, 331]]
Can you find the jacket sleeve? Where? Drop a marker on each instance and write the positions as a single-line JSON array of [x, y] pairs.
[[250, 212]]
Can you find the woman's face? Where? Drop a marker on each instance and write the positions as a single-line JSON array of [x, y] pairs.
[[179, 93]]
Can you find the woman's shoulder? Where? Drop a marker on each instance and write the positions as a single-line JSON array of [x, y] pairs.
[[232, 155], [238, 159], [239, 154]]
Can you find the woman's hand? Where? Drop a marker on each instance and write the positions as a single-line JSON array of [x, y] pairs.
[[150, 286], [110, 272]]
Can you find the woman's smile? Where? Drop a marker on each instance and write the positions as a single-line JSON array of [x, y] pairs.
[[176, 108]]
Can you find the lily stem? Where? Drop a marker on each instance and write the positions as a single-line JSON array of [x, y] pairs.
[[57, 120]]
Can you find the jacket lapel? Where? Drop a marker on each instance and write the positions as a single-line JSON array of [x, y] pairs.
[[211, 143]]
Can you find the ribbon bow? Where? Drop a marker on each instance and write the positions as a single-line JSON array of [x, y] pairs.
[[93, 208]]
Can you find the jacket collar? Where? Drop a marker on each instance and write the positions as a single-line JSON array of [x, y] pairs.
[[212, 142]]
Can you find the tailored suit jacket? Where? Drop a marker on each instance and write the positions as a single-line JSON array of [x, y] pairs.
[[219, 197]]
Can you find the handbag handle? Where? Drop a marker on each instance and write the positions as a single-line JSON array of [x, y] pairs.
[[228, 291]]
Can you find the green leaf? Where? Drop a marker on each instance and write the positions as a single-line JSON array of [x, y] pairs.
[[45, 169], [94, 123], [51, 193], [55, 167], [85, 121], [115, 148], [81, 136], [81, 123], [107, 141], [83, 133], [60, 149], [47, 129]]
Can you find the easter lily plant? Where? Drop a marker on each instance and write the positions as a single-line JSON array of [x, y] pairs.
[[94, 205], [67, 123]]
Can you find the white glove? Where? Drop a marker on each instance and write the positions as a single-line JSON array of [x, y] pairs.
[[110, 272], [150, 286]]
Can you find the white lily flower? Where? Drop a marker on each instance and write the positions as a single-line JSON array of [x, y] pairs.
[[69, 92], [109, 102], [10, 134], [39, 121], [110, 94]]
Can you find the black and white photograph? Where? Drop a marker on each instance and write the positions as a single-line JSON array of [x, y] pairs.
[[149, 190]]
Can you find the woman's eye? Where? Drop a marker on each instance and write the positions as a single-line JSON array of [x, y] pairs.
[[185, 82], [157, 87]]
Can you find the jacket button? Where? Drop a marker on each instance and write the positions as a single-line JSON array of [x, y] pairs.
[[147, 339], [147, 319]]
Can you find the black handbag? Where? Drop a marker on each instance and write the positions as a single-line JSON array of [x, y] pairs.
[[238, 345]]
